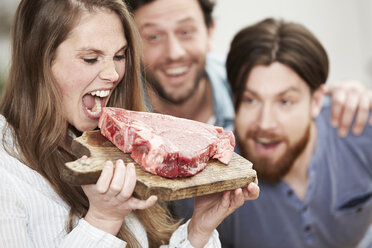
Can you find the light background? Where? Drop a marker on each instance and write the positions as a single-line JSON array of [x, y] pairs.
[[343, 26]]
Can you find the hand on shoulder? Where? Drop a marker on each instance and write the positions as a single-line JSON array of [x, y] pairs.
[[350, 99]]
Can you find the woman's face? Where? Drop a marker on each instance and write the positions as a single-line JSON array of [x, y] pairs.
[[88, 66]]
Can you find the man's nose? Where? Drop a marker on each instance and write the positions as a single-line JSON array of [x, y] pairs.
[[175, 48], [267, 118]]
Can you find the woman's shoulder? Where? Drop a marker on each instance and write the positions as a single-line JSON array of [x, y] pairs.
[[5, 130]]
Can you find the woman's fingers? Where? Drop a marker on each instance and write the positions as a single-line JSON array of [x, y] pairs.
[[118, 180], [251, 192], [226, 198], [135, 203], [129, 183], [104, 180], [238, 198]]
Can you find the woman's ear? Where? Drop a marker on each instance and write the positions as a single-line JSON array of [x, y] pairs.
[[317, 101]]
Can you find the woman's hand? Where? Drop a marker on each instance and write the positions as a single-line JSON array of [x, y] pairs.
[[211, 210], [110, 199]]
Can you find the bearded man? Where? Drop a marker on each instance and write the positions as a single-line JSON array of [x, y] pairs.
[[316, 188]]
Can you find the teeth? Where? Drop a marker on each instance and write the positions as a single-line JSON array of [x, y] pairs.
[[98, 107], [264, 141], [100, 93], [176, 71]]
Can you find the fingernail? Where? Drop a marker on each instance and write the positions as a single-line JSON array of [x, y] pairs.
[[108, 165], [334, 123], [357, 131], [239, 191], [120, 165], [342, 132]]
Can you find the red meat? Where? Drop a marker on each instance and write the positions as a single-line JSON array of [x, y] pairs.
[[165, 145]]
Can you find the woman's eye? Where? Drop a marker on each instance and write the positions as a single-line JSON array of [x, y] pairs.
[[90, 60], [119, 57]]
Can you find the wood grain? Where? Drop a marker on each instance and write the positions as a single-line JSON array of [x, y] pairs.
[[216, 177]]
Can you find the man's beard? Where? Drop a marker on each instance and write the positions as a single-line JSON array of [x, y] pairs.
[[161, 92], [269, 171]]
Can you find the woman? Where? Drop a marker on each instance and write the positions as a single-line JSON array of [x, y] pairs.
[[70, 58]]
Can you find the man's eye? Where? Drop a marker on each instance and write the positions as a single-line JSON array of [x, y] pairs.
[[249, 100], [285, 102], [186, 33], [90, 60], [153, 38]]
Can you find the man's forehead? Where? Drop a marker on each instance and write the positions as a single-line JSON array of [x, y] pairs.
[[165, 13], [274, 79]]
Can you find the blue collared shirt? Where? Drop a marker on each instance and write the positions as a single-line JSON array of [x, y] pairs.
[[222, 100]]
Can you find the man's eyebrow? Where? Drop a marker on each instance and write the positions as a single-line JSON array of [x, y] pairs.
[[147, 25], [187, 19], [288, 90], [285, 91], [247, 90], [153, 25]]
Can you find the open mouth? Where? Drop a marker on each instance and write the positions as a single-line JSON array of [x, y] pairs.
[[94, 101], [175, 72], [265, 146]]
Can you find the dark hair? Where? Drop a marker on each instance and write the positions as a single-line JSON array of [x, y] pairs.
[[206, 6], [272, 41]]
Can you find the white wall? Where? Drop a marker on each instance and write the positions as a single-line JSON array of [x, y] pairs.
[[343, 26]]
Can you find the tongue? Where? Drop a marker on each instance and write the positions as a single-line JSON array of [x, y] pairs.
[[88, 101]]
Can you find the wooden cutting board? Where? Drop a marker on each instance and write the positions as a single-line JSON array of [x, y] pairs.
[[216, 177]]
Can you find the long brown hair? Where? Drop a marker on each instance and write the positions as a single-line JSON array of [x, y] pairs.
[[270, 41], [32, 105]]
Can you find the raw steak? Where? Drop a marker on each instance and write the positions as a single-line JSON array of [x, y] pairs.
[[165, 145]]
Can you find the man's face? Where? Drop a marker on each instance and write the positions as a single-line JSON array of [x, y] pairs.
[[273, 120], [175, 42]]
